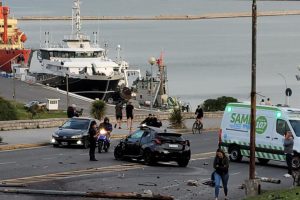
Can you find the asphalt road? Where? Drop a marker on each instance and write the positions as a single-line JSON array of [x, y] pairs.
[[110, 175]]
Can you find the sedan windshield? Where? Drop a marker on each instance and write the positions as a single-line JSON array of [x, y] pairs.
[[296, 126], [80, 124]]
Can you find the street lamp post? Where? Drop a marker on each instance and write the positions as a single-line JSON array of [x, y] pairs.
[[286, 97], [14, 83], [151, 61], [67, 87]]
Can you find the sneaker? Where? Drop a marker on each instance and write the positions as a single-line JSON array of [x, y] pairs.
[[287, 175], [226, 198], [115, 125]]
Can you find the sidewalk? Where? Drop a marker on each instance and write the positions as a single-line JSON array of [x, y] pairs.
[[28, 138]]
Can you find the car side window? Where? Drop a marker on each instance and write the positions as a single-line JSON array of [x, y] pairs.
[[146, 138], [138, 134], [282, 127]]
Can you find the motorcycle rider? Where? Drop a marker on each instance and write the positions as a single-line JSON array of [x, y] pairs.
[[107, 127]]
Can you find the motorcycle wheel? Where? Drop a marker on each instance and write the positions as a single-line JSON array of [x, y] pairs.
[[100, 145]]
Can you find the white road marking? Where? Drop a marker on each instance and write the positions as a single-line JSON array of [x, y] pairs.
[[21, 149], [170, 186], [235, 173], [8, 163]]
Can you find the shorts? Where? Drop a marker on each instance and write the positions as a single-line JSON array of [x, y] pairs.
[[129, 116], [199, 117], [119, 117]]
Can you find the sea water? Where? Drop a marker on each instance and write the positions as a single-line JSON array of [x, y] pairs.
[[204, 58]]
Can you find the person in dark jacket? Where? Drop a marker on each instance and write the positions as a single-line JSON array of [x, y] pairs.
[[148, 120], [71, 111], [288, 145], [221, 165], [93, 134]]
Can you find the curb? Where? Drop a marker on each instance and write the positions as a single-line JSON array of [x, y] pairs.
[[21, 146]]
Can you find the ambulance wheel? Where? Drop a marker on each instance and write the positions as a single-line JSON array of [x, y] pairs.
[[296, 162], [263, 161], [235, 154]]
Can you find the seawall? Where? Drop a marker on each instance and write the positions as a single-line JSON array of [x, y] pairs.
[[48, 123], [169, 17]]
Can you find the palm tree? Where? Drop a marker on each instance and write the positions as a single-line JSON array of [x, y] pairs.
[[98, 109]]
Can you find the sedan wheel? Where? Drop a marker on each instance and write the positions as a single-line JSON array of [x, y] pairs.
[[118, 153], [183, 162], [86, 143], [148, 158]]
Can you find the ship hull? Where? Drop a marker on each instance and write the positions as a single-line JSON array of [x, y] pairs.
[[91, 88], [7, 57]]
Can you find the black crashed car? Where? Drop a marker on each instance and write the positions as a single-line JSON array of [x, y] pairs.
[[75, 131], [152, 145]]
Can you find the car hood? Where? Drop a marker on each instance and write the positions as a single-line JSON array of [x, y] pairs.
[[69, 132]]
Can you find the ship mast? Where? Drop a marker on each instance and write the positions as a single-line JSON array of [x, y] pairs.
[[76, 22]]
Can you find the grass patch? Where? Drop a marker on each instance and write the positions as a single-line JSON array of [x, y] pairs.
[[288, 194], [23, 114]]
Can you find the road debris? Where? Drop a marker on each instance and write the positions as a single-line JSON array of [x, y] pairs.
[[148, 194]]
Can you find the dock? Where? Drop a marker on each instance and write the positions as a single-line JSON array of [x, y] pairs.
[[168, 17]]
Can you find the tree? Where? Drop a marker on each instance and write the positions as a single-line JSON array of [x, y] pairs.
[[98, 109], [176, 118], [218, 104]]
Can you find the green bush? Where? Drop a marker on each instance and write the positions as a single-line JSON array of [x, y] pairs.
[[7, 110], [218, 104], [176, 118], [98, 109]]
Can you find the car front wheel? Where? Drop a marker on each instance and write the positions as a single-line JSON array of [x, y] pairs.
[[86, 143], [118, 153], [183, 162], [235, 154], [148, 158]]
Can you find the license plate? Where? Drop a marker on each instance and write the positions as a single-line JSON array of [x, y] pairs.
[[173, 145], [64, 143]]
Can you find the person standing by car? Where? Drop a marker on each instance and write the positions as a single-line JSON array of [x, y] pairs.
[[221, 166], [288, 145], [71, 111], [129, 115], [93, 134], [119, 113], [199, 114]]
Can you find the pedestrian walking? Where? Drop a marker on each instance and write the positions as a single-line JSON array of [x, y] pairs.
[[221, 166], [288, 145], [129, 114], [93, 134], [262, 102], [119, 114], [268, 102]]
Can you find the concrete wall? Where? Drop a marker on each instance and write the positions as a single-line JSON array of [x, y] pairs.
[[47, 123]]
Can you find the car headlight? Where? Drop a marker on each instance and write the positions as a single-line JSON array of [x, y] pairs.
[[54, 135], [76, 136]]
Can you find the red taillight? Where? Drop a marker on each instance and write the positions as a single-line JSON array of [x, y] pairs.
[[157, 141], [220, 136]]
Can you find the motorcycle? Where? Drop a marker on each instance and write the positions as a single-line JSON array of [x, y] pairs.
[[103, 141]]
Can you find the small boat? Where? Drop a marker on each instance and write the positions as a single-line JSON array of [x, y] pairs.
[[79, 65], [12, 41]]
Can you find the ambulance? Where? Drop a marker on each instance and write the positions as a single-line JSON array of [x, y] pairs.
[[271, 124]]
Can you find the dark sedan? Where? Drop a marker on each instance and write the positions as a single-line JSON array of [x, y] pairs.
[[73, 132], [152, 145]]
